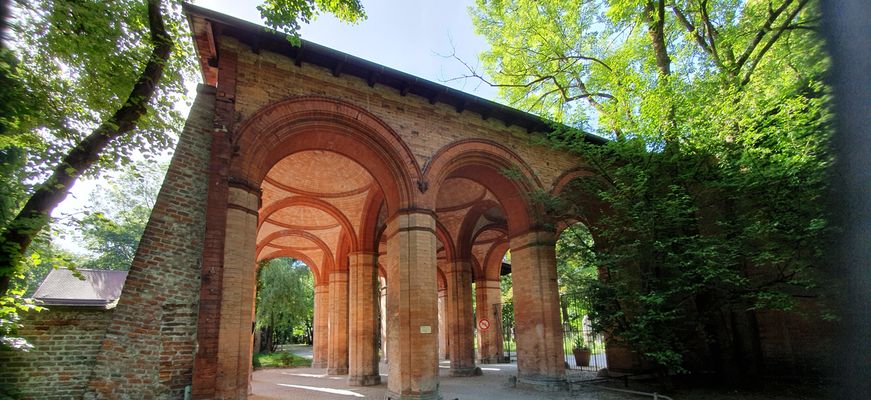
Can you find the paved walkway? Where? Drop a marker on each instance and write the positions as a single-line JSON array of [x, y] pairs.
[[313, 383]]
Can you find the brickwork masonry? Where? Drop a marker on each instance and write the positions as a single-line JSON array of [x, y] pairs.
[[144, 348], [65, 344]]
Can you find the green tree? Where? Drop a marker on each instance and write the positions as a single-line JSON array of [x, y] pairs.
[[117, 213], [720, 124], [91, 83], [285, 300], [575, 272]]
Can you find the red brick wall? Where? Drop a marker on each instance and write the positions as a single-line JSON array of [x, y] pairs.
[[149, 347], [66, 341], [797, 344]]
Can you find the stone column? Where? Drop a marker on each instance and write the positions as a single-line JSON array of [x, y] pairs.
[[363, 317], [540, 358], [337, 354], [320, 348], [412, 306], [383, 305], [443, 328], [461, 339], [488, 302], [235, 336]]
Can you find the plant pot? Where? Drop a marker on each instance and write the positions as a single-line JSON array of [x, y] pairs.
[[582, 357]]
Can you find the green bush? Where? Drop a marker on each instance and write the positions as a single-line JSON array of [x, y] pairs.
[[280, 359]]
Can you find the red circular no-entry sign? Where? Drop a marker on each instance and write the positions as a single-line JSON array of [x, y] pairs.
[[483, 324]]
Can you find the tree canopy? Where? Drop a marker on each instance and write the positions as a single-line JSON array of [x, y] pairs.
[[705, 205], [88, 84]]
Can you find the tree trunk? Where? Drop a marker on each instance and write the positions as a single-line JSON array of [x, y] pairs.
[[654, 16], [269, 339], [4, 14], [18, 235]]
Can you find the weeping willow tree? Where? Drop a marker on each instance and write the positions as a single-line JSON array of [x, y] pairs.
[[285, 303]]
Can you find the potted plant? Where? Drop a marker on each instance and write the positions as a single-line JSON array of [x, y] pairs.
[[581, 351]]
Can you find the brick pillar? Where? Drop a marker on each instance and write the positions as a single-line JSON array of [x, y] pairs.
[[363, 319], [443, 328], [337, 355], [488, 301], [412, 306], [540, 358], [235, 334], [322, 326], [461, 332], [383, 304]]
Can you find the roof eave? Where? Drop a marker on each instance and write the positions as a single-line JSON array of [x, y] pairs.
[[262, 38]]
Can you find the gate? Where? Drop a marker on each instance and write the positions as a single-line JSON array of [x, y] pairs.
[[583, 348]]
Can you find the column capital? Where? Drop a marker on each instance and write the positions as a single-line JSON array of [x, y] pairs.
[[243, 200], [411, 220], [532, 239], [363, 253], [362, 258], [339, 276], [488, 284], [458, 266]]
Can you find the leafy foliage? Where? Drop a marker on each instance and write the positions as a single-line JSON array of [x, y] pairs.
[[12, 304], [101, 80], [285, 298], [280, 359], [117, 213], [79, 60], [286, 15], [706, 203]]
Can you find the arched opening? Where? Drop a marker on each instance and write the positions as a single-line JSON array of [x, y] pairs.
[[284, 310], [577, 276], [315, 202], [311, 179], [483, 201]]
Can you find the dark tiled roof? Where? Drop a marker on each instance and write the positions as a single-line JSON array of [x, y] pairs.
[[100, 288]]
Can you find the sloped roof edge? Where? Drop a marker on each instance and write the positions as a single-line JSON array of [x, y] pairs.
[[100, 288], [207, 24]]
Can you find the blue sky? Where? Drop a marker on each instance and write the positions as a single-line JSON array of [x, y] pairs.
[[411, 36]]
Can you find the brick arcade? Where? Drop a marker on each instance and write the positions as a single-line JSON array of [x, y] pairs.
[[371, 176], [375, 179]]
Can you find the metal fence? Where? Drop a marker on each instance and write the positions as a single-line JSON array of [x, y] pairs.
[[583, 349], [509, 342], [577, 334]]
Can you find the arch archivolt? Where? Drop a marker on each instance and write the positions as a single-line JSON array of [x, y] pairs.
[[301, 255], [492, 263], [290, 240], [486, 165], [319, 123], [582, 207]]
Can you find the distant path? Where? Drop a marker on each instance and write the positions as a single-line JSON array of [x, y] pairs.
[[301, 350]]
